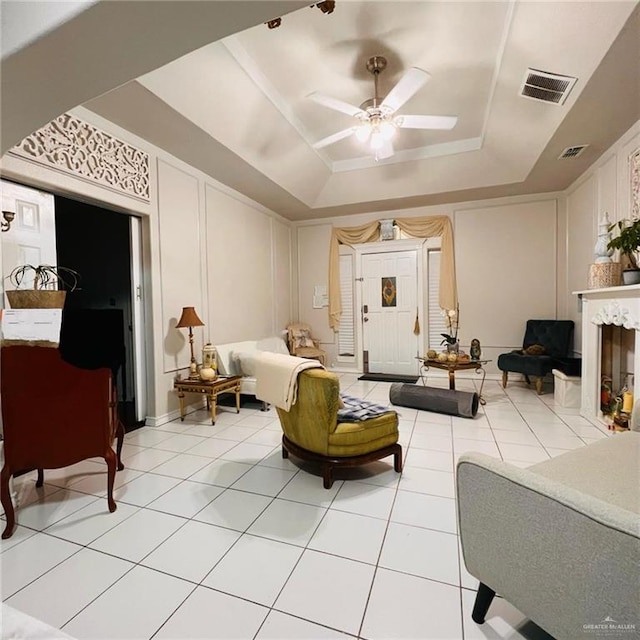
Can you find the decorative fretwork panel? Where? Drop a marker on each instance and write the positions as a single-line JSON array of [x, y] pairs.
[[70, 145]]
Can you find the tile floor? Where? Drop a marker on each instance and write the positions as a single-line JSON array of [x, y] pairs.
[[216, 536]]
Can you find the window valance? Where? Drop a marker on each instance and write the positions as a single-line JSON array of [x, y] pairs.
[[424, 227]]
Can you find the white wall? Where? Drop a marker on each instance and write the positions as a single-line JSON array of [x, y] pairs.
[[506, 267], [604, 187], [205, 245]]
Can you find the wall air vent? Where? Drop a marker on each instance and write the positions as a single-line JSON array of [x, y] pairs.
[[572, 152], [546, 87]]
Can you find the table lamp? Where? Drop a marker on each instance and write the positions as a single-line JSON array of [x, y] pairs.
[[189, 318]]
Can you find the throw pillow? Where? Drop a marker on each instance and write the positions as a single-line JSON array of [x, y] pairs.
[[302, 338], [535, 350]]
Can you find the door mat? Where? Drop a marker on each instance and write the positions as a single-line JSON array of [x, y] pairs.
[[388, 377]]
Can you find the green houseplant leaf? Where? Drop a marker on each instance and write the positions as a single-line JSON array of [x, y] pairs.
[[627, 240]]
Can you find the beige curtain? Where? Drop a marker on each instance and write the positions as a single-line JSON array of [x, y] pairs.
[[425, 227]]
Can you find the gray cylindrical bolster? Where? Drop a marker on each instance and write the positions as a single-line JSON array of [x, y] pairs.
[[454, 403]]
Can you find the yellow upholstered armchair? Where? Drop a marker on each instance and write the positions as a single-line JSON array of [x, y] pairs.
[[312, 430], [301, 343]]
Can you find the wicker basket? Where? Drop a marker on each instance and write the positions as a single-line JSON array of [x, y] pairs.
[[603, 275], [36, 298]]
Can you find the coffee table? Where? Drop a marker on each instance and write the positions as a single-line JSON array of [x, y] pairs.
[[211, 389], [477, 366]]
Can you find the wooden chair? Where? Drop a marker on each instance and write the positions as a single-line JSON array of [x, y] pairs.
[[301, 343], [54, 415]]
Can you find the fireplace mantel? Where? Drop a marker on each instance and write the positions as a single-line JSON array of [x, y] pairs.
[[618, 306]]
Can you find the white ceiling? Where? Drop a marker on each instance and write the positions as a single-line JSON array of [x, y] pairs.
[[239, 108]]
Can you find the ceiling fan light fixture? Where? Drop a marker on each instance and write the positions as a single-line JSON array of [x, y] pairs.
[[377, 139], [387, 129], [363, 131]]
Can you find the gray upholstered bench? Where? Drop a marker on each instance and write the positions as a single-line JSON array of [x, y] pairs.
[[559, 540]]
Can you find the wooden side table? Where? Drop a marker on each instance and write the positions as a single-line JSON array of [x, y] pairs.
[[211, 389]]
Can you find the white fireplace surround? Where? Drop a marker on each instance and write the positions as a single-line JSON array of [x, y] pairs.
[[618, 306]]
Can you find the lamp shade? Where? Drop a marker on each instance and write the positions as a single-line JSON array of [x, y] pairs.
[[189, 318]]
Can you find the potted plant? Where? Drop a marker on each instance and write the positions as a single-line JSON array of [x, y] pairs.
[[46, 291], [628, 242]]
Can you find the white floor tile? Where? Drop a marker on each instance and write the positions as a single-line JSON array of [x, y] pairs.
[[308, 488], [428, 459], [286, 521], [214, 616], [127, 541], [523, 452], [96, 483], [403, 606], [222, 473], [66, 476], [280, 626], [148, 459], [20, 534], [421, 552], [515, 437], [212, 448], [264, 480], [234, 509], [329, 590], [255, 569], [135, 607], [433, 442], [192, 551], [436, 483], [464, 445], [178, 443], [237, 432], [24, 562], [145, 489], [430, 512], [350, 535], [59, 594], [54, 507], [183, 465], [186, 499], [147, 437], [247, 453], [87, 524], [365, 499]]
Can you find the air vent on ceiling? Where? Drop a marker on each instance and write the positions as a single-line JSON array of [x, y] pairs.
[[546, 87], [572, 152]]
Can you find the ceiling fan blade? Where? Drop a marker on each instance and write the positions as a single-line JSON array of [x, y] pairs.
[[334, 137], [337, 105], [426, 122], [410, 83], [385, 151]]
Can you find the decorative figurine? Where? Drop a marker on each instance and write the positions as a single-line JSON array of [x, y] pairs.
[[475, 352]]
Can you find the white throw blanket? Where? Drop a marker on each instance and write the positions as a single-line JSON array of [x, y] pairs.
[[277, 377]]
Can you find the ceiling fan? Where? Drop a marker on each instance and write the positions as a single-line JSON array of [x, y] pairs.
[[378, 120]]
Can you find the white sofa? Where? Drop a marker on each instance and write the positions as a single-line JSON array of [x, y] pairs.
[[238, 358]]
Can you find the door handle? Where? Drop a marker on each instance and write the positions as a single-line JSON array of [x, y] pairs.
[[365, 319]]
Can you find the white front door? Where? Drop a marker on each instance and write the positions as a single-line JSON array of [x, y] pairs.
[[31, 239], [389, 309]]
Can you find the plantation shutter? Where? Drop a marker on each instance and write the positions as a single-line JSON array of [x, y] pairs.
[[346, 333], [437, 321]]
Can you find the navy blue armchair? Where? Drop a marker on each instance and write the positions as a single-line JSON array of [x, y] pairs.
[[545, 347]]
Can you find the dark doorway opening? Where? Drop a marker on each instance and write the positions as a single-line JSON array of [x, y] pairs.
[[97, 327]]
